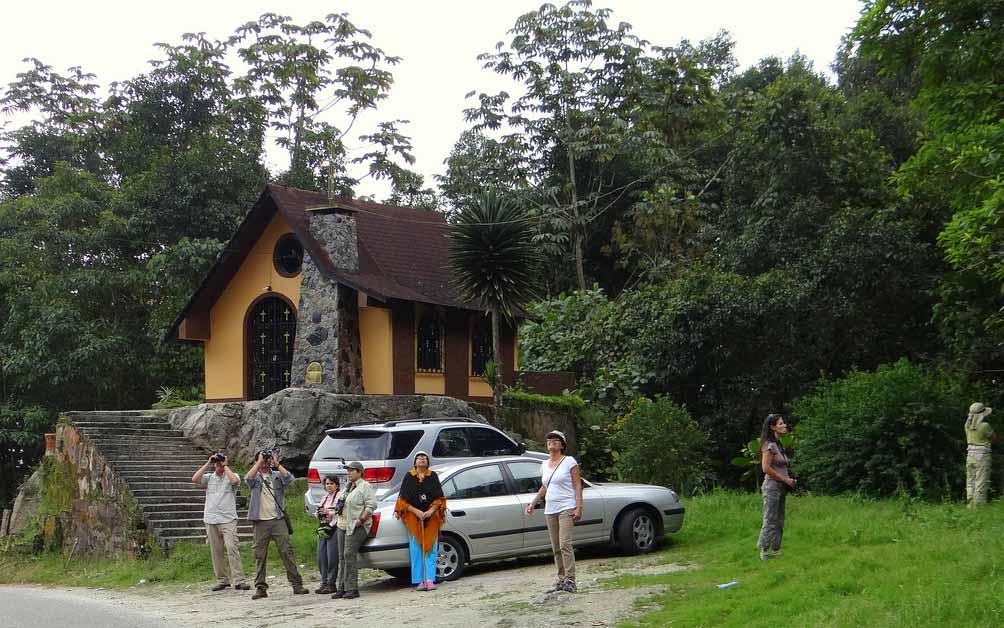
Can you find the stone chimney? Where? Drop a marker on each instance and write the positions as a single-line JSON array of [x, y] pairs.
[[326, 353]]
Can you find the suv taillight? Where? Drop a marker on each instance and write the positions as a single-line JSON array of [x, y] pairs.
[[378, 475], [313, 477], [376, 524]]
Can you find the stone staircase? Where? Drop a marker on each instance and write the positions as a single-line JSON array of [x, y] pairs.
[[157, 463]]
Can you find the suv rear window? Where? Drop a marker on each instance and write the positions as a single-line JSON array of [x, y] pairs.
[[368, 445]]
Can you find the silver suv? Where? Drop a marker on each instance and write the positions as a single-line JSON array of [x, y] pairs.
[[387, 450]]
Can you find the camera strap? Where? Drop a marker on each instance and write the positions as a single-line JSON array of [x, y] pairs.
[[268, 484]]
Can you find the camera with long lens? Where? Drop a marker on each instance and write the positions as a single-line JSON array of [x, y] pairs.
[[339, 505]]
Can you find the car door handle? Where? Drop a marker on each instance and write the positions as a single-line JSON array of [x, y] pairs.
[[458, 513]]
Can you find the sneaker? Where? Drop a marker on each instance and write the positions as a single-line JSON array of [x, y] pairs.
[[351, 595], [299, 589], [220, 587], [559, 585], [764, 555], [569, 586], [430, 586], [422, 586], [775, 554], [259, 593], [243, 586], [337, 595]]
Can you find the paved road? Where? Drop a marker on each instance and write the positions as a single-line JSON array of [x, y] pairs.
[[51, 608]]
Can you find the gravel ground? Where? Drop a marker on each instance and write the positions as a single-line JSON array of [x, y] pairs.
[[503, 595]]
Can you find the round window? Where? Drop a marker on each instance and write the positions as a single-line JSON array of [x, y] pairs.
[[288, 256]]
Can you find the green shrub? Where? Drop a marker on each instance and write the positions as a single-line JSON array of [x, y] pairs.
[[657, 442], [595, 452], [570, 404], [899, 428]]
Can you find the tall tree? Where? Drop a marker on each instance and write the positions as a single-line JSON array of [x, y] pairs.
[[494, 260], [956, 50], [303, 71], [570, 124]]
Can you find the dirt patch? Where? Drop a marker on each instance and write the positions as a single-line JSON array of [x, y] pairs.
[[501, 595]]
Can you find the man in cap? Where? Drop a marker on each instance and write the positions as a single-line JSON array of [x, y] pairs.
[[220, 517], [979, 436]]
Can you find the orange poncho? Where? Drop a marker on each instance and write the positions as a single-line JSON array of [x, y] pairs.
[[422, 492]]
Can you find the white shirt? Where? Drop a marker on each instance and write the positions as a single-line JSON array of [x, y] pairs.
[[560, 495], [221, 498]]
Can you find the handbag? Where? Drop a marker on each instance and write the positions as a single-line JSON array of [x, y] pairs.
[[282, 511]]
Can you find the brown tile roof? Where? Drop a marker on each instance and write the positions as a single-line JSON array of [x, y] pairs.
[[403, 252]]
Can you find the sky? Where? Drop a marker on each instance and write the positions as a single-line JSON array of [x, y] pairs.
[[438, 40]]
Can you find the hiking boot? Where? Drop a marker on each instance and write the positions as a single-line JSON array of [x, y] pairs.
[[569, 587], [259, 593], [559, 585], [220, 586], [350, 595], [337, 595], [243, 586], [299, 589]]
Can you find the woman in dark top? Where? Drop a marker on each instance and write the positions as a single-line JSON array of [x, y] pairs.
[[422, 507], [327, 540], [776, 483]]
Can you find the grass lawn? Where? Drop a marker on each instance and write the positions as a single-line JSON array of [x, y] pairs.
[[846, 562]]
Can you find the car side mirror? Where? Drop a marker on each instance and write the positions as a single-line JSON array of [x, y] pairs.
[[521, 447]]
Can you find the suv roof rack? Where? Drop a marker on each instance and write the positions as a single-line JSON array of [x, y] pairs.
[[396, 422]]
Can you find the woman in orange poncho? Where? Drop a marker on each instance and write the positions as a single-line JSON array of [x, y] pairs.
[[422, 507]]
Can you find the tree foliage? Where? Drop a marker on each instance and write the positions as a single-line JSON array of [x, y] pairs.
[[877, 433]]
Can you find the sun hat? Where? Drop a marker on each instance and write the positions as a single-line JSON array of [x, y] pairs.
[[977, 412], [556, 434], [421, 453]]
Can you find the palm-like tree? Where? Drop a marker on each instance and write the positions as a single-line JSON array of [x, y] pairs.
[[494, 261]]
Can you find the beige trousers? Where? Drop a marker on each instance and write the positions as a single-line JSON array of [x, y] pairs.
[[977, 478], [225, 550], [560, 527]]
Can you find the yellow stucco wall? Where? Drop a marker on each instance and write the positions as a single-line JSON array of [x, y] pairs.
[[430, 384], [376, 345], [224, 351]]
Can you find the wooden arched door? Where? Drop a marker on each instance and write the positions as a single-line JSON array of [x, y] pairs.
[[270, 332]]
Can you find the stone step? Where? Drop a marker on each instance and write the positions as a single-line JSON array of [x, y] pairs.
[[154, 508], [186, 515], [113, 416], [168, 492], [111, 425], [167, 533], [193, 522], [166, 485], [195, 538], [152, 444], [170, 459], [139, 432]]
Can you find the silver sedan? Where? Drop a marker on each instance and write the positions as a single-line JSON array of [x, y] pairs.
[[486, 520]]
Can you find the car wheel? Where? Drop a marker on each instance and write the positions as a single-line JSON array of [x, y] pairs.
[[401, 573], [451, 559], [637, 532]]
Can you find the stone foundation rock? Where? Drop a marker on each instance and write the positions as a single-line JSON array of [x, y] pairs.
[[294, 420]]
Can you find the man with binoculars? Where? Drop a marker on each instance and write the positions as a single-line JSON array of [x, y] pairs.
[[220, 516], [268, 480]]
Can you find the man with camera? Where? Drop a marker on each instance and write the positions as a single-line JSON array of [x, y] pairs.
[[268, 480], [220, 516]]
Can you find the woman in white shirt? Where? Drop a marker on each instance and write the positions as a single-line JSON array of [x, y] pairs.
[[561, 488]]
